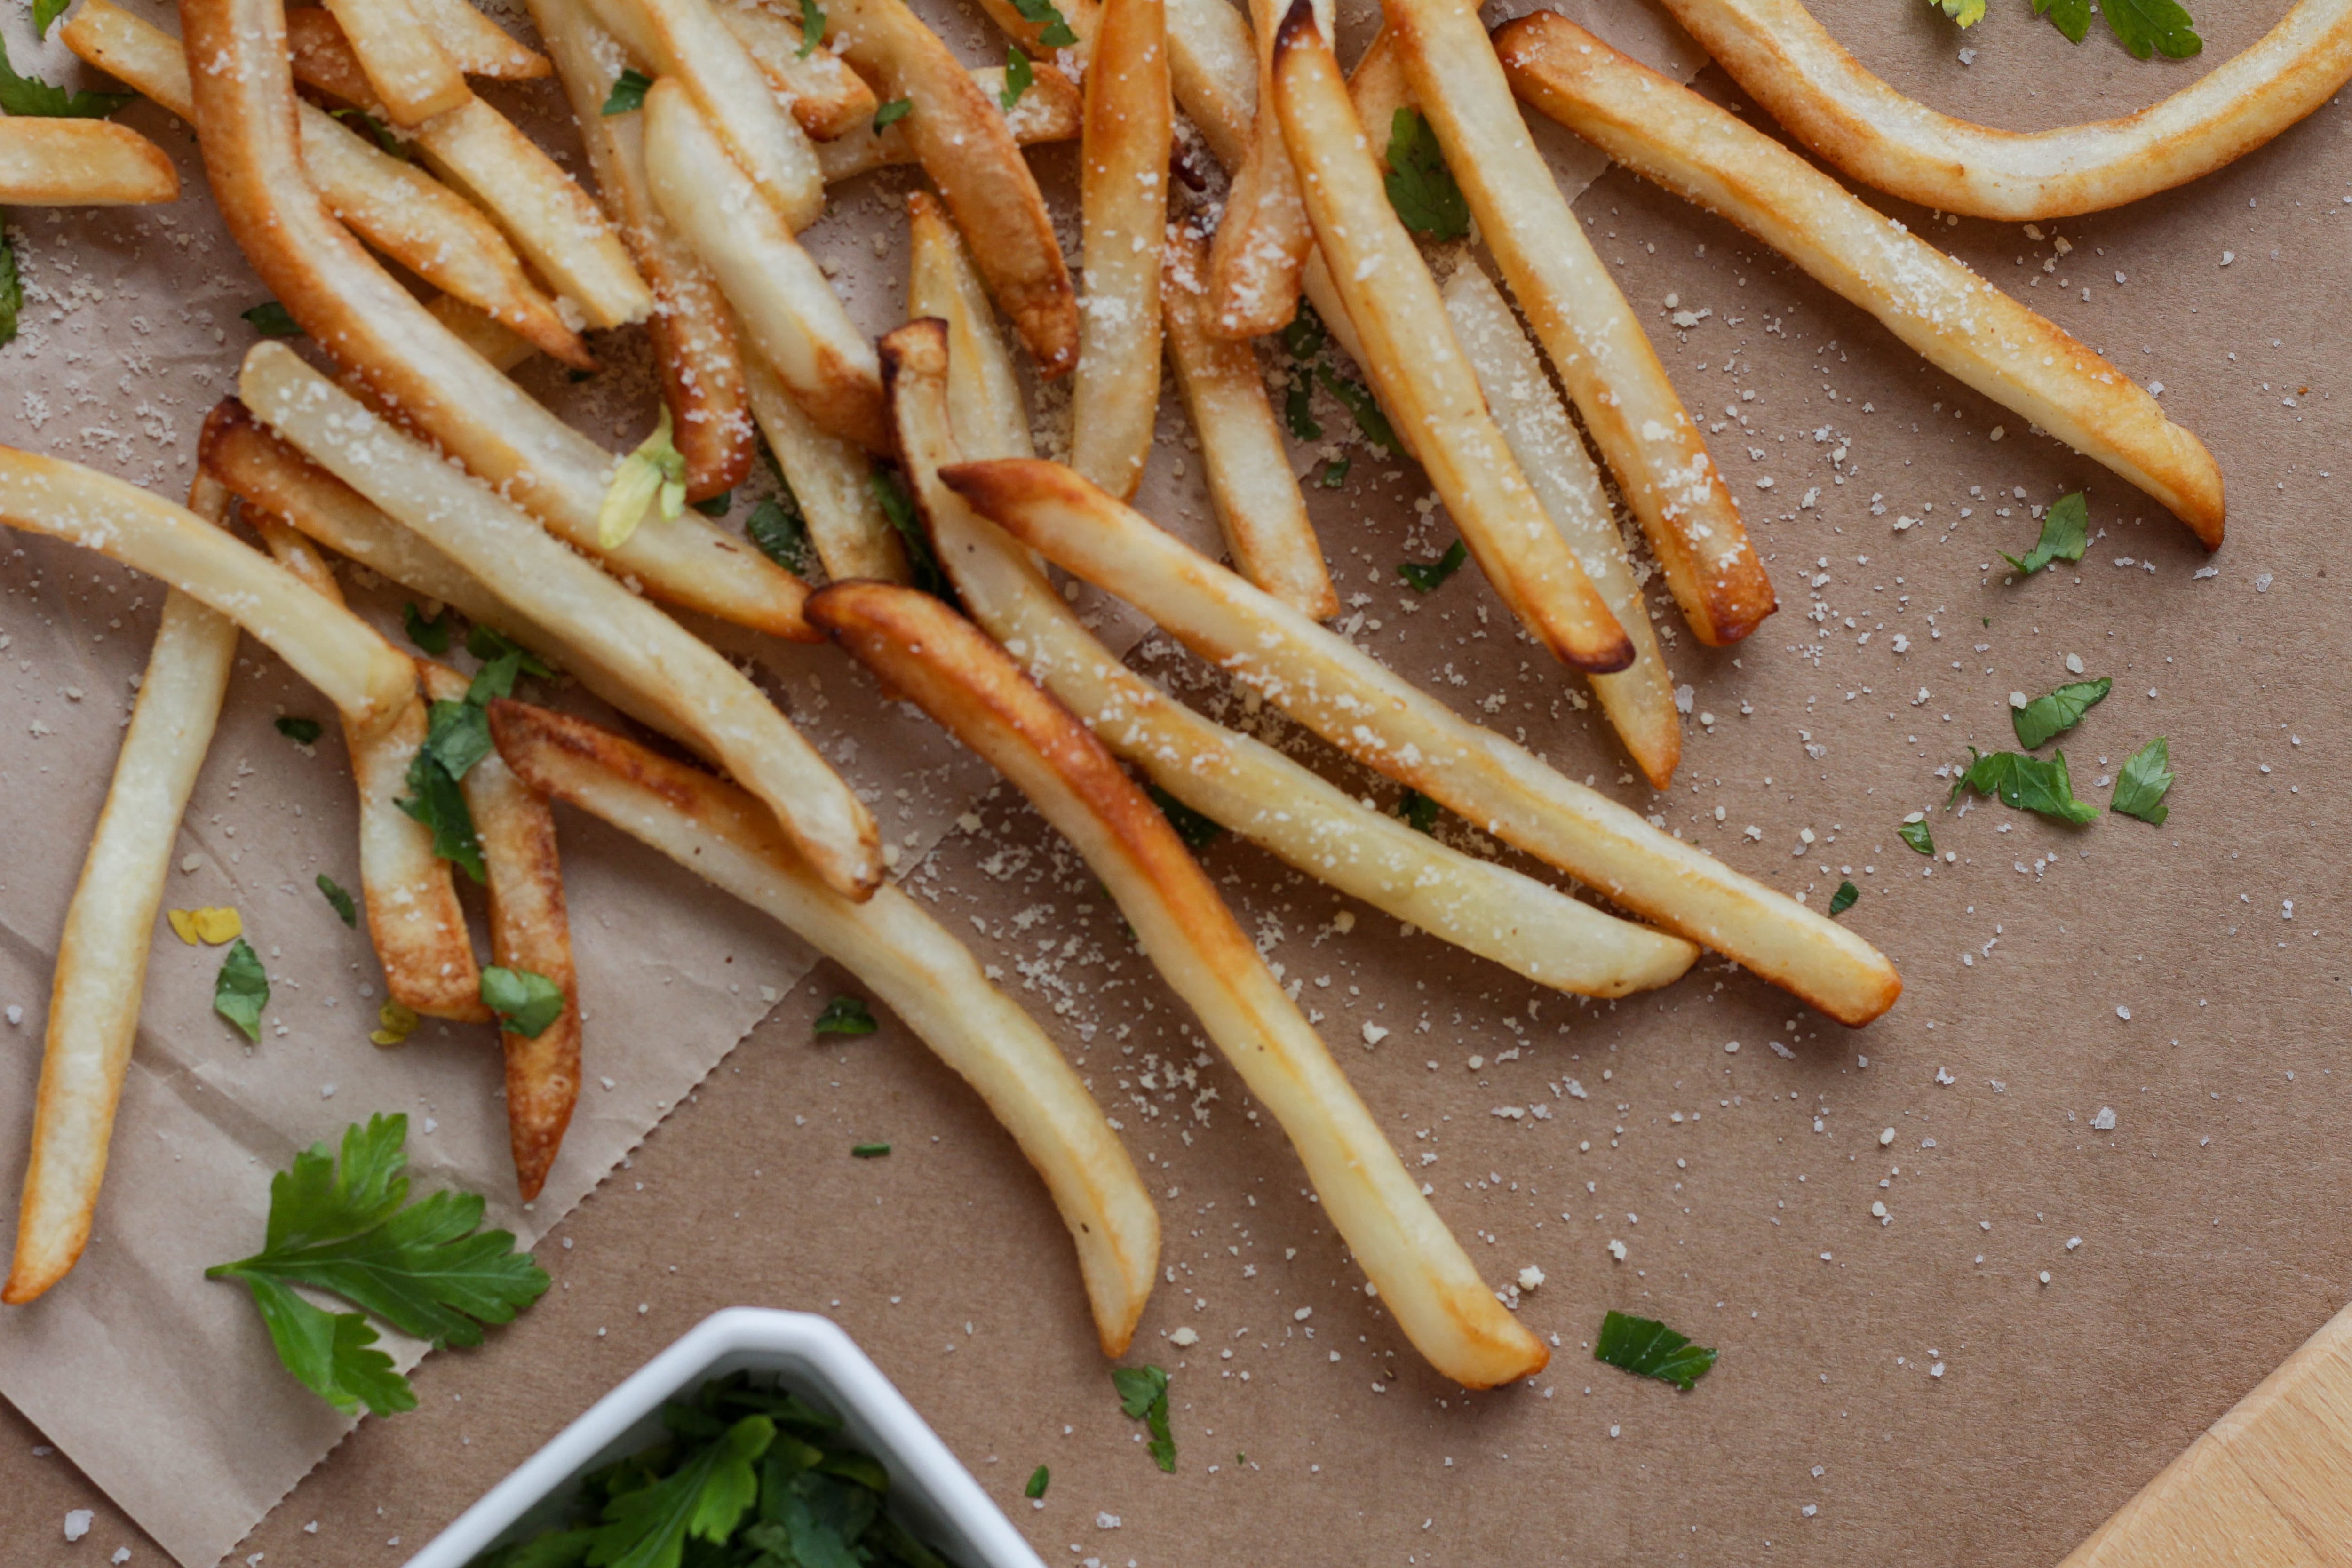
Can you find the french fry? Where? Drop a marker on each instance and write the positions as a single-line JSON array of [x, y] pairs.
[[496, 346], [1417, 368], [1334, 688], [529, 931], [1123, 200], [101, 969], [1257, 495], [1639, 699], [1263, 237], [694, 340], [1378, 89], [954, 673], [912, 964], [367, 679], [556, 225], [397, 208], [1787, 63], [1958, 320], [1051, 110], [407, 360], [828, 99], [1212, 65], [984, 398], [413, 77], [964, 146], [476, 45], [1249, 786], [831, 481], [788, 312], [415, 922], [685, 39], [82, 164], [1583, 322], [665, 667]]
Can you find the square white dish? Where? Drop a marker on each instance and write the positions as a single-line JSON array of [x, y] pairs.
[[930, 1492]]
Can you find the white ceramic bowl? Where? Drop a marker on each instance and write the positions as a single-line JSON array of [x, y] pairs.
[[931, 1494]]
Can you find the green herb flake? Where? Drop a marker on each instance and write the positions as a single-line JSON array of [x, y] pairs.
[[457, 736], [778, 530], [2055, 713], [12, 291], [2065, 534], [892, 113], [1420, 186], [812, 27], [2028, 783], [341, 901], [1967, 13], [2142, 781], [46, 12], [890, 492], [1420, 812], [1335, 475], [1054, 30], [1370, 420], [525, 1001], [37, 100], [386, 140], [1196, 830], [1305, 334], [868, 1151], [1426, 576], [2072, 17], [1298, 408], [845, 1015], [1143, 1395], [241, 989], [1845, 899], [1647, 1348], [432, 636], [272, 319], [628, 94], [301, 731], [1019, 76], [1914, 830], [2152, 26], [436, 800], [715, 506], [1039, 1480]]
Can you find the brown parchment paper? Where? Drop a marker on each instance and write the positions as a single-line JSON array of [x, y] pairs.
[[1740, 1181]]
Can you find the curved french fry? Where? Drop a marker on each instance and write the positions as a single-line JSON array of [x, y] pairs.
[[915, 967], [1123, 200], [413, 76], [828, 99], [984, 398], [1263, 237], [476, 45], [1952, 317], [82, 164]]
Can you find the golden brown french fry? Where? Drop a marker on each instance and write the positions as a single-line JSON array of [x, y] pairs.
[[372, 324], [1378, 89], [1051, 110], [1123, 199], [788, 312], [694, 347], [1259, 793], [667, 667], [1639, 699], [530, 931], [476, 45], [983, 393], [913, 965], [828, 99], [414, 77], [1257, 495], [831, 480], [955, 674], [1417, 368], [1785, 60], [1263, 237], [500, 348], [101, 967], [1583, 322], [82, 164], [1334, 688], [1958, 320], [1213, 65]]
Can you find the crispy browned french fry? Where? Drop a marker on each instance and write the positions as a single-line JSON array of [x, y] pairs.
[[828, 99], [1123, 199], [831, 481], [968, 151], [1336, 690], [528, 931], [1417, 367], [1257, 495], [1263, 237], [373, 325], [958, 676], [413, 76], [1051, 110], [82, 164], [476, 45], [1956, 320], [101, 967], [1583, 322], [667, 667], [914, 966], [1786, 61], [1639, 699], [694, 347], [984, 395], [790, 314]]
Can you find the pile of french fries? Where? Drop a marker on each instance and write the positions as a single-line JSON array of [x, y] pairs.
[[342, 138]]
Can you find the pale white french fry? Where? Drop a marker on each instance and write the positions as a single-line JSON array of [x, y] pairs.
[[667, 667], [102, 968], [828, 99], [1263, 237], [1956, 319], [1123, 200], [951, 670], [1050, 111], [1213, 65], [788, 312], [82, 164], [1378, 89], [1639, 699], [476, 45], [831, 480], [985, 396], [413, 76], [912, 964], [1344, 695]]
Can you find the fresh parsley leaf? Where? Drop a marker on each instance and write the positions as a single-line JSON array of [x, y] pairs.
[[525, 1001], [892, 113], [628, 94], [1019, 77], [1420, 186], [434, 800], [345, 910], [1967, 13], [38, 99], [845, 1015], [432, 636], [899, 508], [2055, 713], [778, 531], [301, 731], [1197, 831], [12, 291], [2065, 531], [1425, 576], [715, 506], [272, 319], [345, 1227], [1054, 30], [1334, 475], [2072, 17], [490, 645], [1143, 1395], [2141, 783], [46, 12], [1845, 899], [457, 736], [1647, 1348], [705, 1498], [868, 1151], [812, 27], [2029, 784], [1305, 334], [1915, 832], [241, 990], [655, 474], [1298, 408], [386, 140], [1039, 1480], [1370, 419], [2157, 26], [1420, 812]]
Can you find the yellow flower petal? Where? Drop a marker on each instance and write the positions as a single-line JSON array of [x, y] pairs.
[[399, 1023], [184, 925], [216, 926]]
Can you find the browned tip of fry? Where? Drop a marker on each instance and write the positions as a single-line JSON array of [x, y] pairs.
[[229, 416], [919, 348], [1297, 30]]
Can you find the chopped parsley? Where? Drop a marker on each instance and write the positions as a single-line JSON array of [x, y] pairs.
[[241, 989], [12, 291], [1019, 76], [812, 27], [301, 731], [2143, 26], [2055, 713], [1915, 832], [892, 113], [1053, 29], [385, 138], [1845, 899], [272, 319], [1420, 186], [434, 800], [346, 1228], [503, 660], [1334, 474], [719, 505], [845, 1015], [1143, 1395], [339, 901], [1420, 812], [46, 12], [1197, 831], [526, 1002], [868, 1151], [1370, 419], [2029, 784], [778, 530], [1647, 1348], [2140, 786], [457, 736], [1425, 576], [1967, 13], [890, 490], [2065, 533], [1039, 1480], [1298, 408], [432, 636], [37, 100], [628, 94], [1305, 334]]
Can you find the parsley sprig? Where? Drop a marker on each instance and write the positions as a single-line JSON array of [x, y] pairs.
[[2055, 713], [1143, 1395], [2027, 783], [1420, 186], [2143, 26], [38, 99], [2065, 534], [12, 291]]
